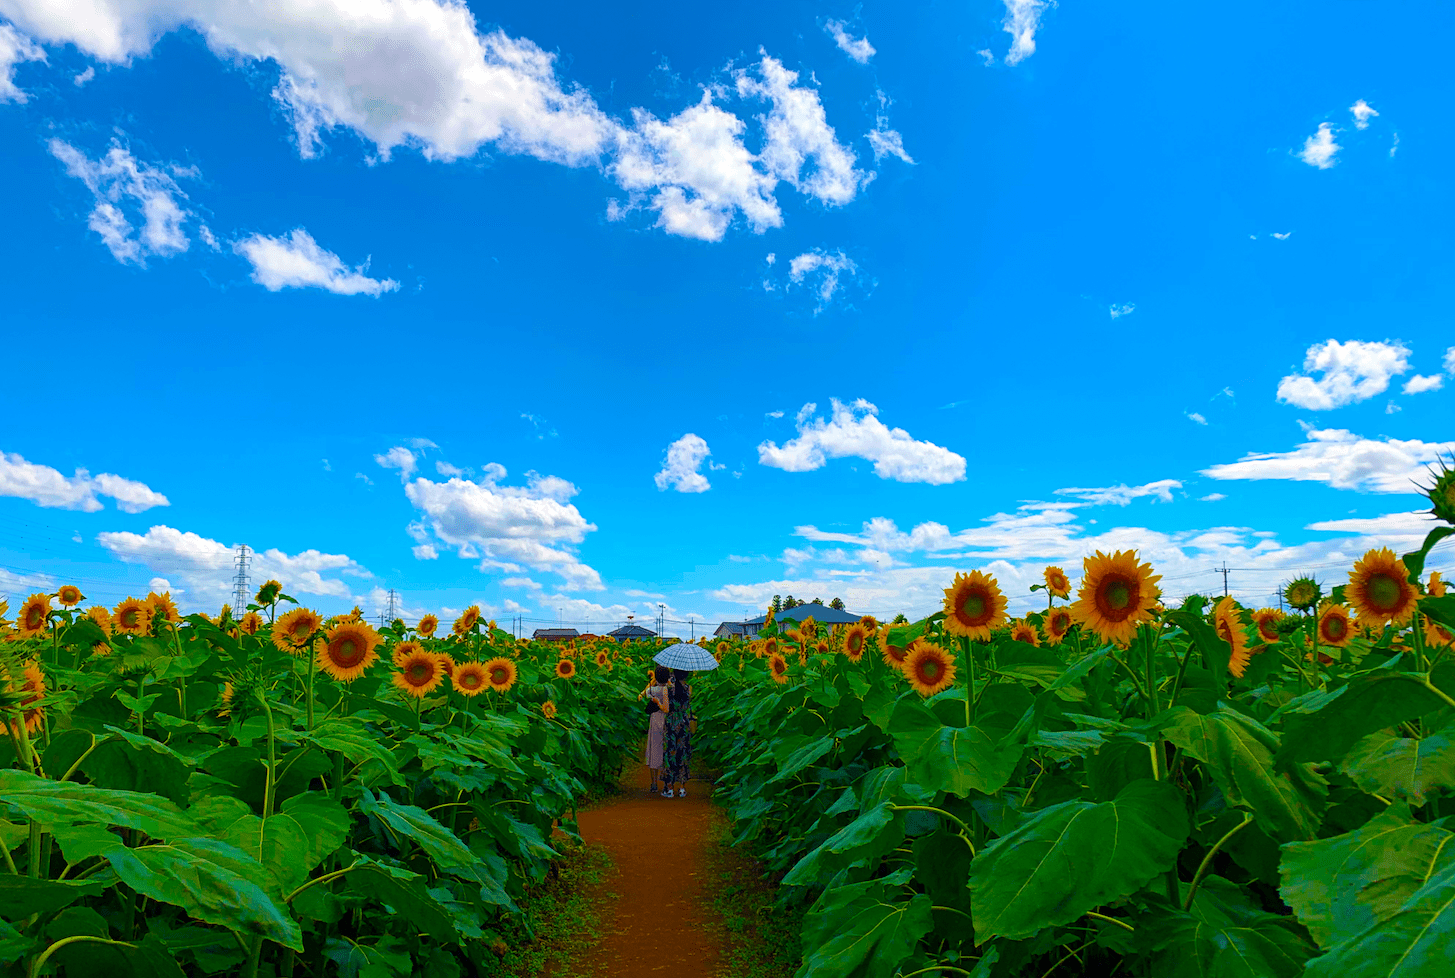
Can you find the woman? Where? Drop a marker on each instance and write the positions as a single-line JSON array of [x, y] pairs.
[[657, 690], [677, 730]]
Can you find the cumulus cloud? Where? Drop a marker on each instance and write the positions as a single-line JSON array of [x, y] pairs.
[[126, 192], [1362, 112], [1121, 495], [1320, 148], [825, 270], [204, 566], [1450, 361], [1118, 310], [506, 527], [1196, 417], [47, 487], [857, 48], [1022, 19], [682, 468], [1420, 383], [1212, 497], [1343, 460], [16, 48], [855, 431], [1352, 372], [399, 458], [296, 261]]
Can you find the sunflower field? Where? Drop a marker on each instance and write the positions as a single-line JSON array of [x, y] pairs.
[[1111, 786], [275, 793]]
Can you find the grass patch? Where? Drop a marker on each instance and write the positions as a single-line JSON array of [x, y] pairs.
[[758, 939], [568, 912]]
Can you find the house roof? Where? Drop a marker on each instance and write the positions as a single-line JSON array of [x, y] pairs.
[[555, 633], [632, 631], [820, 613]]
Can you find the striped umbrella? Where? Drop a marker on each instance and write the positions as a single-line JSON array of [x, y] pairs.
[[692, 658]]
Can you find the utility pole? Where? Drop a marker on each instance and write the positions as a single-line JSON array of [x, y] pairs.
[[692, 629], [241, 592], [391, 612], [1223, 570], [661, 620]]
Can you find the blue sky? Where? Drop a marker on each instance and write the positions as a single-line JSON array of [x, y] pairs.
[[574, 310]]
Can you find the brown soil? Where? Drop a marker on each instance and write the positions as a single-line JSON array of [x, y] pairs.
[[660, 922]]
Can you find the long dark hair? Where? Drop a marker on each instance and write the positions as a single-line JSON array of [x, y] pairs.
[[662, 674], [679, 688]]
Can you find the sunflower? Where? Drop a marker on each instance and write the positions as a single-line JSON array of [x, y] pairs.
[[1379, 588], [34, 615], [101, 650], [293, 631], [974, 606], [32, 682], [548, 709], [1441, 493], [1116, 595], [1436, 634], [1230, 629], [778, 668], [602, 659], [226, 699], [1056, 623], [500, 674], [1302, 593], [404, 650], [1335, 627], [251, 622], [469, 679], [769, 649], [447, 663], [162, 604], [854, 640], [418, 674], [893, 655], [69, 595], [1023, 631], [131, 617], [1267, 620], [101, 616], [224, 614], [1436, 586], [467, 621], [348, 650], [268, 593], [427, 626], [722, 648], [929, 667], [565, 668], [821, 647], [1057, 582], [869, 623]]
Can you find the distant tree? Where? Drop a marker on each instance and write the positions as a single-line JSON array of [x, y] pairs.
[[899, 620], [816, 601], [837, 604], [777, 604], [789, 602]]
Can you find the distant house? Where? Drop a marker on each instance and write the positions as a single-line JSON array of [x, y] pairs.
[[820, 613], [555, 634], [626, 632]]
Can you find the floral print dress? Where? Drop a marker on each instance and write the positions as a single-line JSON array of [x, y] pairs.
[[677, 742]]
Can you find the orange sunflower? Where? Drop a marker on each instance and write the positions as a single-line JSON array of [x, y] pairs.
[[251, 622], [854, 639], [1023, 631], [721, 649], [447, 663], [929, 667], [565, 668], [1436, 586], [1436, 634], [293, 632], [32, 683], [268, 593], [500, 674], [974, 606], [769, 649], [1229, 627], [427, 626], [1379, 588], [1335, 627], [1057, 582], [418, 674], [893, 655], [348, 650], [131, 617], [602, 659], [404, 650], [1267, 620], [778, 668], [162, 604], [101, 616], [870, 623], [808, 628], [467, 621], [1117, 594], [1056, 623], [469, 679], [821, 647], [69, 595], [34, 615], [548, 709]]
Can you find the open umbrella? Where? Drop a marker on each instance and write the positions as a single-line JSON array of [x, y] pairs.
[[693, 658]]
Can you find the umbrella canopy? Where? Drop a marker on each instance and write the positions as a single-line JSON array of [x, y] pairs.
[[693, 658]]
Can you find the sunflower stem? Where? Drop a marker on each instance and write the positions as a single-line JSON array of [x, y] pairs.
[[970, 683], [1181, 672], [268, 785], [1207, 859]]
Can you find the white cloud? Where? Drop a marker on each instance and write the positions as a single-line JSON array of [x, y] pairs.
[[448, 471], [1124, 309], [205, 566], [1283, 235], [1394, 146], [1211, 497], [296, 261], [827, 268], [125, 191], [855, 431], [1319, 149], [399, 458], [513, 607], [1342, 460], [798, 135], [47, 487], [524, 583], [1022, 18], [507, 527], [1121, 495], [425, 551], [883, 140], [1196, 417], [1392, 408], [857, 48], [682, 468], [15, 48], [364, 478], [1362, 112], [543, 429], [773, 414], [15, 586], [83, 77], [1419, 383], [161, 584], [1352, 372], [1449, 361]]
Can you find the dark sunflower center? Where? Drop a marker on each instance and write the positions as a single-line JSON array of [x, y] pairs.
[[1383, 591], [930, 670], [1118, 595], [470, 680], [347, 652], [1335, 628], [497, 675], [34, 616], [974, 606], [419, 672]]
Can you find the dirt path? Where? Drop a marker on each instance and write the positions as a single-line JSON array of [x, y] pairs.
[[657, 845]]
